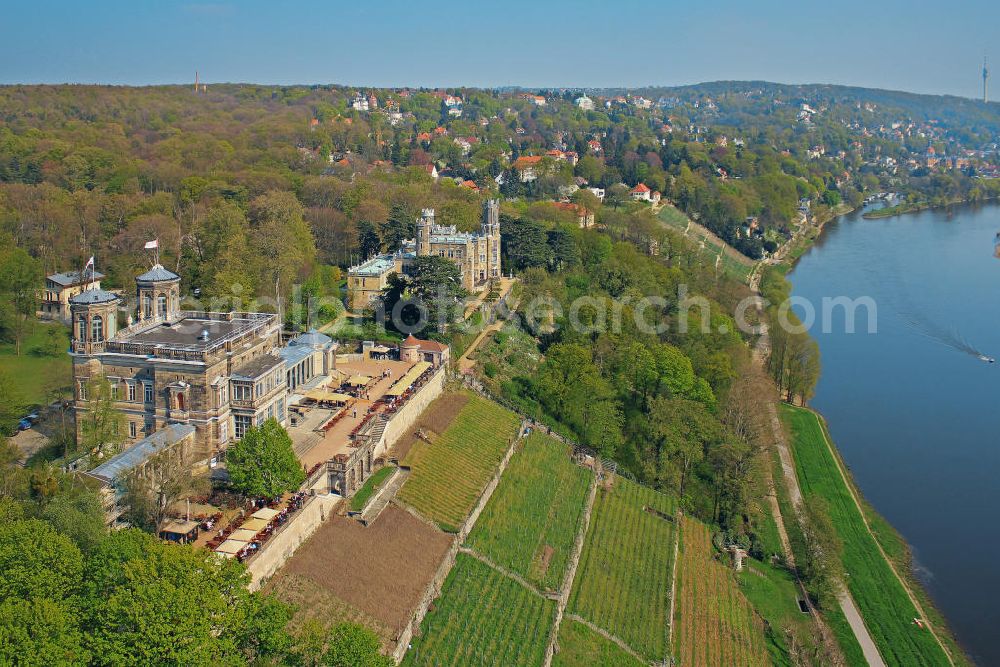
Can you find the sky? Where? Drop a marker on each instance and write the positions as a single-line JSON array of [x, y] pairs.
[[914, 46]]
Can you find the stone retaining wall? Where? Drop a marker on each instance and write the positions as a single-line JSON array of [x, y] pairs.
[[289, 537]]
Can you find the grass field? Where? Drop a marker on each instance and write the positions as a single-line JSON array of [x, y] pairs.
[[448, 476], [39, 375], [371, 485], [530, 524], [714, 623], [579, 645], [883, 602], [774, 595], [623, 581], [483, 618]]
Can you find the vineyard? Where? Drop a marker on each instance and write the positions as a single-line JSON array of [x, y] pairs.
[[579, 645], [483, 618], [887, 610], [624, 578], [714, 622], [449, 475], [530, 524]]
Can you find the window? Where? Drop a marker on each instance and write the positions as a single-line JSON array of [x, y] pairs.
[[240, 425], [81, 328], [147, 306], [83, 390], [131, 392], [224, 430], [131, 430], [97, 329], [161, 306], [115, 394], [260, 419], [270, 411], [242, 392], [147, 393], [280, 412]]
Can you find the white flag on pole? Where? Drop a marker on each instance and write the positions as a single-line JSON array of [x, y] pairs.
[[151, 245], [89, 265]]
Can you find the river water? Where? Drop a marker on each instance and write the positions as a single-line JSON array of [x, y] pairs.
[[915, 417]]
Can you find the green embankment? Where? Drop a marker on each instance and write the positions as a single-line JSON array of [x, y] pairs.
[[887, 610], [368, 489]]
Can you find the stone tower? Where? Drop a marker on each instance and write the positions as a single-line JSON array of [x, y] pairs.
[[158, 295], [424, 227], [95, 319], [491, 231]]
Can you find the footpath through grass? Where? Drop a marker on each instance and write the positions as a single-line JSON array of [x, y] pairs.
[[449, 475], [623, 581], [884, 604], [530, 524], [483, 618]]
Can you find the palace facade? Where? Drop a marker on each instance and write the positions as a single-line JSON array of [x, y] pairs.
[[220, 373]]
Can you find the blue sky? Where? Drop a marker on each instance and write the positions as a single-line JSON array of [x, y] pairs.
[[912, 46]]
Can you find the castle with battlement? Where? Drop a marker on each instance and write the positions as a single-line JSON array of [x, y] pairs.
[[476, 253]]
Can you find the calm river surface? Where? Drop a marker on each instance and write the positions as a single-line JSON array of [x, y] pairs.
[[917, 420]]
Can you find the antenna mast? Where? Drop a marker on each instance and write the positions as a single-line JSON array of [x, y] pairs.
[[986, 82]]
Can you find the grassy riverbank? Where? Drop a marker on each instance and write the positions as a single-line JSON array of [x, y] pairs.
[[884, 602]]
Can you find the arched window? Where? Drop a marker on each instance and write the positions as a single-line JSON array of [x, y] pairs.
[[161, 306], [81, 328], [96, 329], [147, 306]]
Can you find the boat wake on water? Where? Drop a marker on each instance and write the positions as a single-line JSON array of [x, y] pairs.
[[951, 339]]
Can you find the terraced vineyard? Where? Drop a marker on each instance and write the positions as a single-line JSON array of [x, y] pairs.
[[624, 578], [714, 622], [483, 618], [530, 524], [449, 475], [579, 645]]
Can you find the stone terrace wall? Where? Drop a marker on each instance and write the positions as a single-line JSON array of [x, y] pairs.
[[401, 421], [289, 537]]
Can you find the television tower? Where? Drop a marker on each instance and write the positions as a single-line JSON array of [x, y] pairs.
[[986, 82]]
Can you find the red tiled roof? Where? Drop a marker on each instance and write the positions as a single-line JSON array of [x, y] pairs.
[[527, 161], [642, 187]]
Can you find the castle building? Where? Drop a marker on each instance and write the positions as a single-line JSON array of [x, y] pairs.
[[477, 255], [219, 373]]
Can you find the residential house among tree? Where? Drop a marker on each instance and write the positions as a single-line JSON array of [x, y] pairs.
[[61, 287]]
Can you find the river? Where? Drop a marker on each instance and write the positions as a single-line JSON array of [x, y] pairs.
[[915, 419]]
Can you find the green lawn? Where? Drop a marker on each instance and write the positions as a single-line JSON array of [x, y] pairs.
[[579, 645], [883, 602], [530, 524], [36, 376], [623, 581], [774, 595], [483, 618], [368, 489], [448, 476]]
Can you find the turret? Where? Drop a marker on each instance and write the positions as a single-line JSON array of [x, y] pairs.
[[95, 319], [491, 218], [158, 295], [424, 226]]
